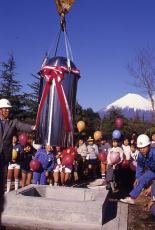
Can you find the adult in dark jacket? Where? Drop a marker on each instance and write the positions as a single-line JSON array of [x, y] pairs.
[[8, 128]]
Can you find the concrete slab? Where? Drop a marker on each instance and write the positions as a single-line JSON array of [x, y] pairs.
[[56, 207], [119, 216]]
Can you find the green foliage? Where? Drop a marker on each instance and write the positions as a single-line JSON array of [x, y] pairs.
[[107, 124], [10, 88], [91, 119], [129, 126], [32, 97]]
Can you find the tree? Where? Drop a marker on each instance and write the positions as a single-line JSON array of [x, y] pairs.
[[10, 88], [144, 73], [91, 119], [108, 122], [32, 98]]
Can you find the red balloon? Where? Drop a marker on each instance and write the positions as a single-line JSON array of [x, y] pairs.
[[67, 160], [69, 151], [125, 164], [35, 165], [23, 138], [102, 156], [119, 122], [133, 165], [115, 157]]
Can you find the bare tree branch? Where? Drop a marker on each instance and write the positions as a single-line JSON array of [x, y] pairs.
[[143, 72]]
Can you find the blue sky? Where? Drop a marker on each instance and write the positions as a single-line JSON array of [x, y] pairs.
[[103, 34]]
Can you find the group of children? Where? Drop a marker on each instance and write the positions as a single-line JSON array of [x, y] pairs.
[[52, 171], [87, 164]]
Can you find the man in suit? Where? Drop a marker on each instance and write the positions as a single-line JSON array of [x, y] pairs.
[[8, 128]]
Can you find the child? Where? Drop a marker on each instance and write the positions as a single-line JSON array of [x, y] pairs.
[[26, 157], [57, 167], [133, 138], [92, 153], [104, 147], [82, 152], [134, 152], [153, 140], [14, 165], [126, 148], [145, 171], [66, 171], [47, 160], [112, 170]]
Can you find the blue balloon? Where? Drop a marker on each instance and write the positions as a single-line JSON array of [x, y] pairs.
[[116, 134]]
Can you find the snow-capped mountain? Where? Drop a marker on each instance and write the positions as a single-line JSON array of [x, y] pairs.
[[132, 105]]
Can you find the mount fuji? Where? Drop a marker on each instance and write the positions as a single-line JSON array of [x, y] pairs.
[[131, 105]]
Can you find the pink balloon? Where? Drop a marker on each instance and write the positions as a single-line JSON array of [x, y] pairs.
[[102, 156], [23, 138], [133, 165], [114, 157], [119, 122]]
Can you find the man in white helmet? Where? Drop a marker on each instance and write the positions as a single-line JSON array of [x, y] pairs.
[[8, 128], [145, 171]]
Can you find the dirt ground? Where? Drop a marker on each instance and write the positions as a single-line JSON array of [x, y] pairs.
[[138, 217]]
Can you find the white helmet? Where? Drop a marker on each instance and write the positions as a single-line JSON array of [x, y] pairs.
[[143, 140], [4, 103]]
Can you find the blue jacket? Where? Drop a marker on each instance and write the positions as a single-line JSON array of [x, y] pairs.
[[145, 162], [47, 160]]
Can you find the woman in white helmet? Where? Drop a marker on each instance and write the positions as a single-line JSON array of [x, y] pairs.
[[145, 171], [8, 128]]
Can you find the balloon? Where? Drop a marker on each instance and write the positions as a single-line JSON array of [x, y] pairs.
[[35, 165], [116, 134], [73, 151], [125, 164], [67, 160], [133, 165], [23, 138], [114, 157], [102, 156], [97, 135], [14, 154], [119, 122], [81, 126]]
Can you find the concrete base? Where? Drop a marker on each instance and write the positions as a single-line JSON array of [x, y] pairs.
[[56, 207]]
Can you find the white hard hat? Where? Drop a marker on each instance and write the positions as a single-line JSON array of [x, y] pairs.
[[4, 103], [143, 140]]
